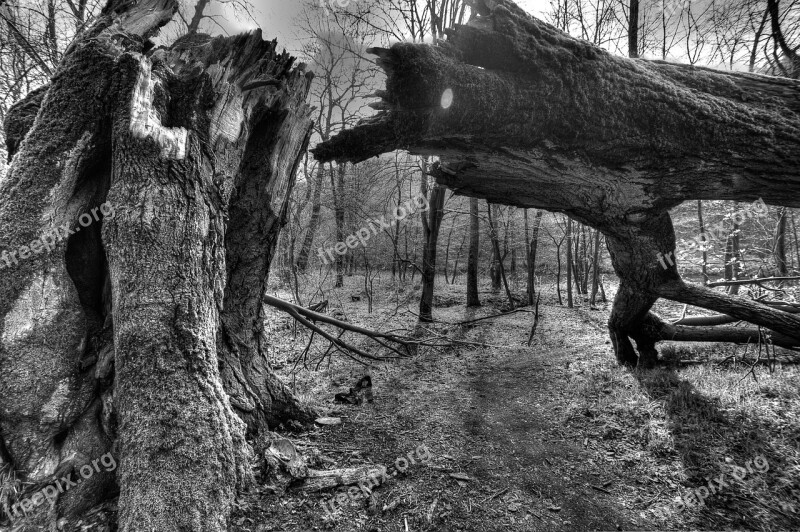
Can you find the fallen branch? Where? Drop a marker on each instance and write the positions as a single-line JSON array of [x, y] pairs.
[[488, 317], [752, 281], [320, 480], [724, 319], [308, 319]]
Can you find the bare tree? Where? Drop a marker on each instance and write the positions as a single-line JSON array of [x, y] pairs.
[[335, 42]]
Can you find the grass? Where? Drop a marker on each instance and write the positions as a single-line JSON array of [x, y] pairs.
[[694, 423]]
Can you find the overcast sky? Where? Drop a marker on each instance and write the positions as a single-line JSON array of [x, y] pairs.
[[277, 18]]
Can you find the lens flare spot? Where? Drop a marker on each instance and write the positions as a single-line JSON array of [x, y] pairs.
[[447, 98]]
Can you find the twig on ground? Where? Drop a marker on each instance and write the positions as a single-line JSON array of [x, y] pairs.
[[496, 494], [490, 317]]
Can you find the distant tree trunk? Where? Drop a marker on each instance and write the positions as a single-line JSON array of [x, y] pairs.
[[756, 40], [558, 274], [474, 248], [435, 214], [496, 244], [730, 262], [732, 255], [780, 243], [532, 249], [595, 267], [569, 262], [585, 233], [494, 269], [577, 264], [406, 264], [396, 263], [509, 235], [790, 54], [198, 16], [458, 257], [704, 267], [313, 221], [337, 185], [633, 30], [141, 331], [796, 242], [447, 252]]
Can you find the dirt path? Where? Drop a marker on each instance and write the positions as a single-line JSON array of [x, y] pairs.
[[494, 414], [548, 437]]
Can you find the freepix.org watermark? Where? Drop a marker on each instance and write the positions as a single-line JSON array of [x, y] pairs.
[[365, 487], [417, 204], [50, 492], [697, 497], [718, 233], [48, 241], [327, 5]]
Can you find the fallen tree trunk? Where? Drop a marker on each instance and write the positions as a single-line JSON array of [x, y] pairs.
[[738, 335], [139, 216], [523, 114]]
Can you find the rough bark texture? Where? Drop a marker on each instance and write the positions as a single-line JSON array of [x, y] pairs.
[[539, 119], [313, 221], [494, 269], [431, 238], [141, 333]]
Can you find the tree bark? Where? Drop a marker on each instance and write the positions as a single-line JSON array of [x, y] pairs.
[[780, 244], [431, 235], [496, 244], [337, 185], [141, 332], [796, 243], [458, 257], [533, 247], [494, 270], [474, 248], [732, 256], [704, 267], [569, 263], [595, 268], [634, 137], [633, 30], [313, 221]]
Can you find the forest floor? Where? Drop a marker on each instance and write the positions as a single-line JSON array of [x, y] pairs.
[[549, 437]]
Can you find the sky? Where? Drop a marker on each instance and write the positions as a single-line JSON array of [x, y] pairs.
[[277, 18]]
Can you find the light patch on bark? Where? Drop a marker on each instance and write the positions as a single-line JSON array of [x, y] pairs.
[[227, 117], [35, 307], [63, 205], [52, 410], [46, 466], [145, 121]]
